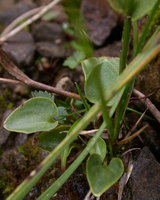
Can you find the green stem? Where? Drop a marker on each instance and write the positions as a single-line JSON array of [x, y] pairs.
[[147, 27], [74, 113], [123, 63], [64, 156], [140, 113], [122, 108], [107, 119], [135, 36], [106, 116], [125, 44], [62, 179], [84, 101]]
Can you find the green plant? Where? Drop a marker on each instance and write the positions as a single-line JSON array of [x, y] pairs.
[[81, 43], [108, 84]]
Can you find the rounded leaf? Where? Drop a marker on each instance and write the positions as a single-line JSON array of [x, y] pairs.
[[133, 8], [36, 114], [99, 148], [108, 71]]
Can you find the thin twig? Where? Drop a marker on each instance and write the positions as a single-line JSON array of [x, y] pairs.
[[29, 21], [124, 179], [86, 132], [87, 197], [151, 107], [6, 80], [12, 69], [125, 140], [136, 124], [22, 17], [91, 133], [130, 150]]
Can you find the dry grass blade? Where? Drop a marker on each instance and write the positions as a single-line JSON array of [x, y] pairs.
[[132, 136], [136, 124], [19, 19]]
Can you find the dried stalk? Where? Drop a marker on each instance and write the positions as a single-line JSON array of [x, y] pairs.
[[6, 80], [155, 112], [29, 21], [12, 69], [126, 140]]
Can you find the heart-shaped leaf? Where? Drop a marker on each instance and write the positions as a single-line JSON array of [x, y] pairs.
[[99, 148], [108, 72], [36, 114], [134, 8], [101, 177]]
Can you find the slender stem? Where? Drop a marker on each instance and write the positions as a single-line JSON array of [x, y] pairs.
[[110, 148], [133, 135], [125, 44], [135, 36], [123, 61], [74, 113], [107, 119], [62, 179], [106, 116], [6, 80], [135, 125], [64, 156], [140, 113], [122, 108], [83, 99], [147, 27]]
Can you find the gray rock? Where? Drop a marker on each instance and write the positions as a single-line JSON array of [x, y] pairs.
[[4, 134], [45, 31], [4, 5], [112, 50], [148, 81], [48, 49], [151, 138], [21, 48], [144, 183], [100, 19], [20, 139], [7, 16]]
